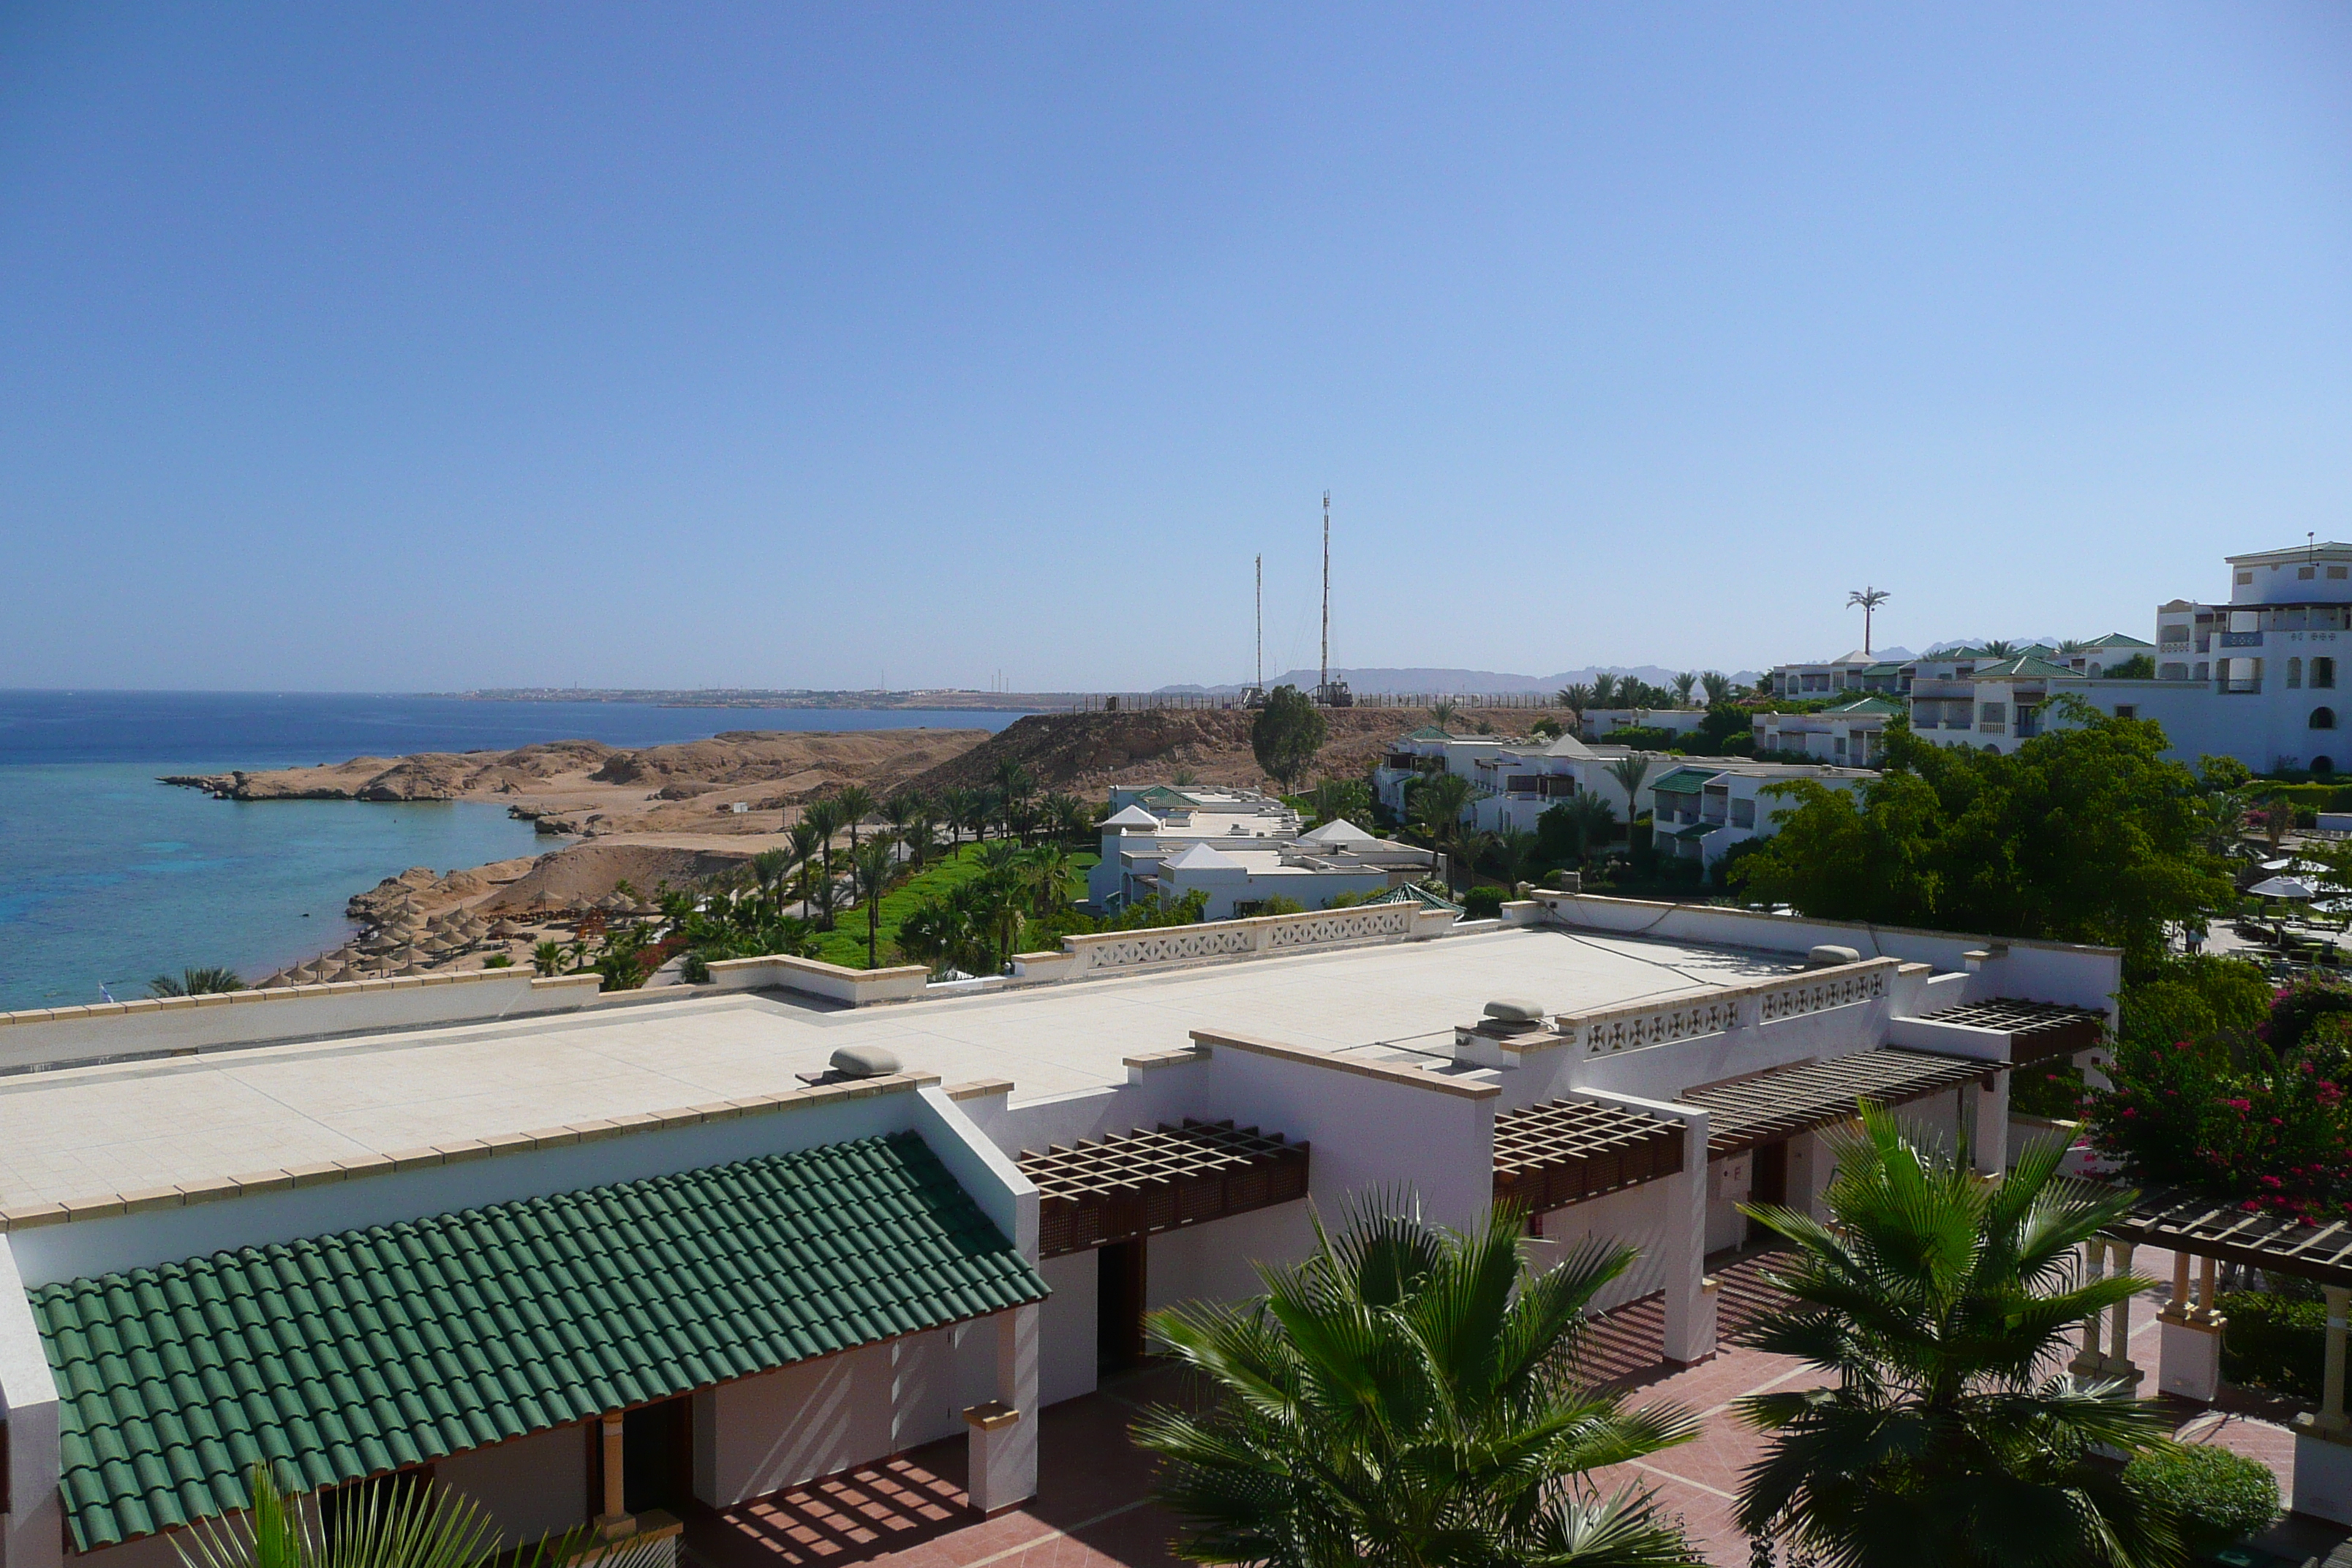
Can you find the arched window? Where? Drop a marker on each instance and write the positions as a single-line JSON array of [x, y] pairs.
[[2323, 766], [2323, 674], [2294, 673], [2322, 718]]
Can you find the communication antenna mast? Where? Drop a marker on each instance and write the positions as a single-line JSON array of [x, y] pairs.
[[1323, 682], [1260, 683]]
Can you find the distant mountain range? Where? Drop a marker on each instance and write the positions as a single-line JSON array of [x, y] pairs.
[[1443, 682]]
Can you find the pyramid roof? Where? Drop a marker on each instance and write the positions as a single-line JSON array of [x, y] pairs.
[[1338, 830], [1132, 816], [1203, 858]]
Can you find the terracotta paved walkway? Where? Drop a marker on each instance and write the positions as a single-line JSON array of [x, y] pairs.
[[1092, 1511]]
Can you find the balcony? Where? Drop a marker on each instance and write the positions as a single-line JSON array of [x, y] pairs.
[[2247, 688], [2241, 639]]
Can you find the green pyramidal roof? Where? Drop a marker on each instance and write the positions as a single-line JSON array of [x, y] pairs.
[[373, 1349]]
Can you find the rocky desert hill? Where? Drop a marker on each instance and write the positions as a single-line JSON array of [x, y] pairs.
[[1087, 753]]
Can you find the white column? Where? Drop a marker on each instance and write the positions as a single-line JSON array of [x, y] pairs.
[[2119, 1361], [2088, 1360], [2323, 1445], [1003, 1442], [1992, 1146], [2188, 1353], [33, 1536], [1689, 1297], [615, 1521]]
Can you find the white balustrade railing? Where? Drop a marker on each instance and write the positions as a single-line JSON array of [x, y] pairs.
[[1714, 1012], [1109, 950]]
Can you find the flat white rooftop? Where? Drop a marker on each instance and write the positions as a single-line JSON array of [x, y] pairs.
[[129, 1127]]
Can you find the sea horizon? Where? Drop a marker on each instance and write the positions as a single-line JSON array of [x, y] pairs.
[[109, 878]]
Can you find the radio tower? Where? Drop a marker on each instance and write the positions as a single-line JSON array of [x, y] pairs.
[[1260, 684], [1323, 682]]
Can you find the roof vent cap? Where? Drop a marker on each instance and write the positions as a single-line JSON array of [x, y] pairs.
[[864, 1061], [1828, 955], [1515, 1010]]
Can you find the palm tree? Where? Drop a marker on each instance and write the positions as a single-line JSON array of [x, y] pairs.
[[770, 867], [1629, 771], [901, 809], [1514, 854], [857, 802], [546, 958], [1048, 869], [823, 817], [1998, 647], [206, 981], [920, 835], [1604, 689], [1869, 599], [1073, 819], [1443, 712], [1684, 684], [1014, 786], [1405, 1396], [955, 810], [1594, 820], [1939, 1302], [1717, 685], [409, 1523], [1576, 697], [1438, 802], [870, 868]]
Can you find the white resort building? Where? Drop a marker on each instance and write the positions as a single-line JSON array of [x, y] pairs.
[[1240, 858], [1710, 803], [641, 1259]]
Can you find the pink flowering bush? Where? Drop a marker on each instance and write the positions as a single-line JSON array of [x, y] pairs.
[[2256, 1117]]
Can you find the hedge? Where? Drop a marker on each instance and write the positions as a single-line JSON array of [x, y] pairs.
[[2218, 1497], [2274, 1342]]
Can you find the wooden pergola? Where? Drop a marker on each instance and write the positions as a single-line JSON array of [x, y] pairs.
[[2037, 1031], [1766, 1107], [1103, 1190], [1565, 1151]]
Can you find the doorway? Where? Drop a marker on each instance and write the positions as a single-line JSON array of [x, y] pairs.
[[1118, 1306], [1768, 1184], [658, 1456]]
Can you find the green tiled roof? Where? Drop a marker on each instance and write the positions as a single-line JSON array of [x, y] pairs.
[[1684, 781], [370, 1350]]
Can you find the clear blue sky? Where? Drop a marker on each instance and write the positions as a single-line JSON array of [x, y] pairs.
[[421, 347]]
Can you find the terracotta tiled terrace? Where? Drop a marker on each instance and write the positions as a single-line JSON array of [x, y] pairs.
[[1093, 1507]]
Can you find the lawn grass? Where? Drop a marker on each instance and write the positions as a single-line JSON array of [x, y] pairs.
[[846, 943]]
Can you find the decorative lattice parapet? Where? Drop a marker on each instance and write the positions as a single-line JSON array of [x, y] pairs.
[[1639, 1025], [1114, 951]]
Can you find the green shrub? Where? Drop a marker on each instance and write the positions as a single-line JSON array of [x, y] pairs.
[[695, 970], [2218, 1497], [2052, 1091], [1482, 903], [1643, 738], [2274, 1342]]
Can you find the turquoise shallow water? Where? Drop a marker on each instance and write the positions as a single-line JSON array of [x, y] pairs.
[[108, 877]]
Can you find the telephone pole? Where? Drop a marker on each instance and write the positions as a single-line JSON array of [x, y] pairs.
[[1323, 684]]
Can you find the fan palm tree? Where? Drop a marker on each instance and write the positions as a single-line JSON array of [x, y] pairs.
[[206, 981], [870, 868], [857, 802], [1717, 685], [1940, 1303], [1405, 1397], [1629, 771], [1684, 684], [407, 1524]]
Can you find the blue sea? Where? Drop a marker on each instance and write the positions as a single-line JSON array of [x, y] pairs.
[[108, 877]]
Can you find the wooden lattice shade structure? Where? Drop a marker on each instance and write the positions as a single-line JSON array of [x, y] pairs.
[[2204, 1225], [1565, 1151], [1785, 1101], [1102, 1190], [2037, 1030]]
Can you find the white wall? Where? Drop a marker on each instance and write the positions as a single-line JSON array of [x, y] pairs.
[[159, 1551], [164, 1025], [531, 1487], [793, 1426], [1640, 1216], [1065, 1336], [32, 1536], [1217, 1261]]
